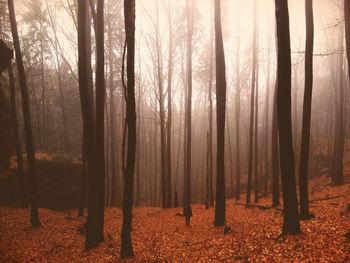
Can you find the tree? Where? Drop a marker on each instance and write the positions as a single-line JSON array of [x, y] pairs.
[[220, 117], [130, 122], [347, 31], [305, 140], [339, 133], [94, 229], [34, 214], [275, 153], [237, 116], [100, 110], [188, 127], [251, 120], [210, 190], [16, 136], [169, 122], [291, 224]]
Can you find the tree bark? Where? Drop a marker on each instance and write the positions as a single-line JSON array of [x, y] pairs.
[[305, 140], [291, 224], [169, 123], [129, 16], [220, 213], [187, 183], [251, 120], [34, 215], [18, 147]]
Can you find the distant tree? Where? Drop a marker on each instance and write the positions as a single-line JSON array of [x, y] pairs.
[[347, 31], [37, 20], [220, 213], [34, 215], [339, 104], [256, 114], [169, 95], [238, 116], [18, 147], [251, 120], [128, 170], [275, 171], [305, 140], [291, 224], [188, 109]]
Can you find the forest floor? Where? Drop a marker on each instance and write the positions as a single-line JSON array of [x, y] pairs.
[[161, 235]]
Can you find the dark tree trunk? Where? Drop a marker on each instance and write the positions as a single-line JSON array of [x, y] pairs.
[[238, 112], [129, 16], [267, 107], [251, 120], [187, 183], [275, 154], [163, 152], [210, 134], [115, 195], [256, 114], [291, 224], [338, 152], [100, 113], [34, 215], [169, 122], [83, 177], [305, 139], [220, 215], [18, 147], [94, 235]]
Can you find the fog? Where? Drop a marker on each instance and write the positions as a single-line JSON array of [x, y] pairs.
[[48, 34]]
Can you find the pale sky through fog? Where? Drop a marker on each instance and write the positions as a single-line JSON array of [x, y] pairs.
[[326, 14]]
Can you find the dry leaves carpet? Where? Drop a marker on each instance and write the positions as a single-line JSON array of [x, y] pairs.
[[161, 235]]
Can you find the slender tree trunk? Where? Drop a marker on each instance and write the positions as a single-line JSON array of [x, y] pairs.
[[291, 224], [83, 177], [100, 115], [338, 152], [34, 215], [305, 140], [267, 99], [63, 108], [94, 234], [169, 123], [112, 113], [220, 213], [163, 152], [129, 16], [251, 121], [256, 114], [187, 183], [238, 112], [18, 147], [210, 134]]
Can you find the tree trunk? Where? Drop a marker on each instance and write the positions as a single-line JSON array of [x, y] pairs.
[[251, 120], [187, 183], [305, 140], [112, 113], [267, 107], [338, 152], [238, 112], [256, 114], [34, 215], [220, 217], [291, 224], [129, 16], [18, 147], [210, 187]]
